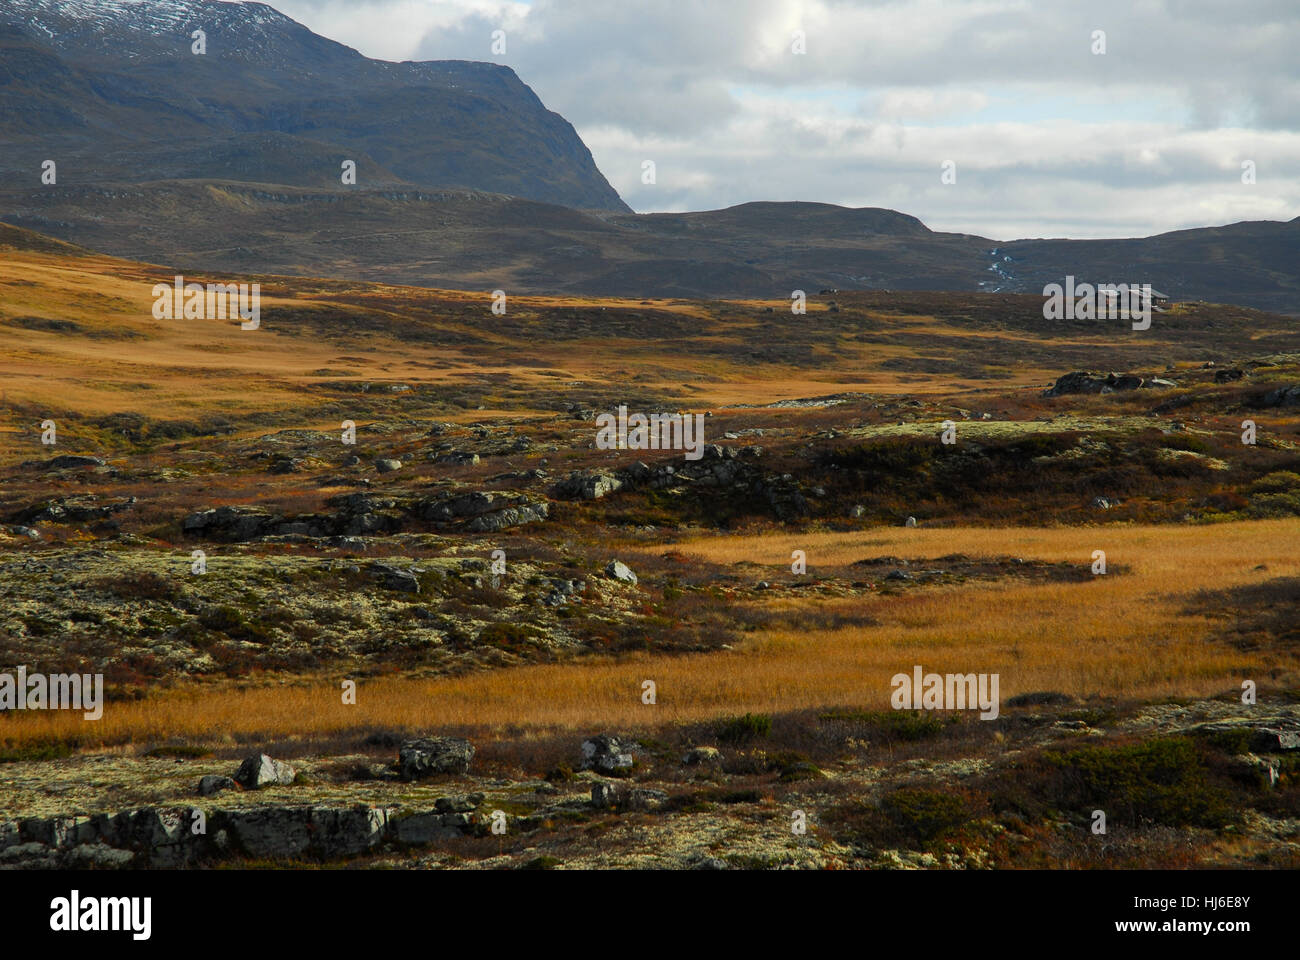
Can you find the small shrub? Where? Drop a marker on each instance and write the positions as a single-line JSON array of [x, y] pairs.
[[738, 730], [1163, 781]]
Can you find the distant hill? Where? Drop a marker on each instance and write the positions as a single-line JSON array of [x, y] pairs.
[[468, 239], [111, 90]]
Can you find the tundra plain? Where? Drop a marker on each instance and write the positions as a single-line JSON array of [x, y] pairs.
[[769, 591]]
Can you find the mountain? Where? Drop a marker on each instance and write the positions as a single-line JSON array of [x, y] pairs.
[[111, 90], [231, 161]]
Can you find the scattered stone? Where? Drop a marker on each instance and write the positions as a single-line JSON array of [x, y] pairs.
[[262, 771], [608, 754], [459, 803], [1086, 381], [702, 756], [391, 578], [581, 485], [67, 460], [1288, 396], [428, 756], [617, 570], [643, 798], [215, 784], [457, 458]]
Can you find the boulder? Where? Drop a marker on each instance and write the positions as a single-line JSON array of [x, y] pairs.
[[67, 460], [457, 458], [458, 803], [607, 754], [644, 798], [618, 570], [429, 756], [385, 465], [230, 523], [1264, 735], [1288, 396], [587, 485], [215, 784], [85, 509], [702, 756], [1086, 381], [392, 578], [262, 771], [604, 795], [528, 511]]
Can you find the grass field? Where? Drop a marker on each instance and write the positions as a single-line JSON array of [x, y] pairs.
[[1123, 636]]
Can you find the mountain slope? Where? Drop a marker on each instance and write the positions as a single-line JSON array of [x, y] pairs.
[[111, 89]]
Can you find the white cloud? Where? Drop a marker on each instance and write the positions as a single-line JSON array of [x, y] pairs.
[[1048, 138]]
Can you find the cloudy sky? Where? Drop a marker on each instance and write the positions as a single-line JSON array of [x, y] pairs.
[[1044, 136]]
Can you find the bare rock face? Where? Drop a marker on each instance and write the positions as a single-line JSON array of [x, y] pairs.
[[429, 756], [230, 523], [164, 838], [1262, 735], [262, 771]]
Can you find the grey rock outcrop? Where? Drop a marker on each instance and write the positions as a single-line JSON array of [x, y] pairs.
[[430, 756]]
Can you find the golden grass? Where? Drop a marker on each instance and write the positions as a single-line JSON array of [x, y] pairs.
[[170, 368], [1124, 636]]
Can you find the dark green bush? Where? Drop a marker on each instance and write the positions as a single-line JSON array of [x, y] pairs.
[[737, 730]]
